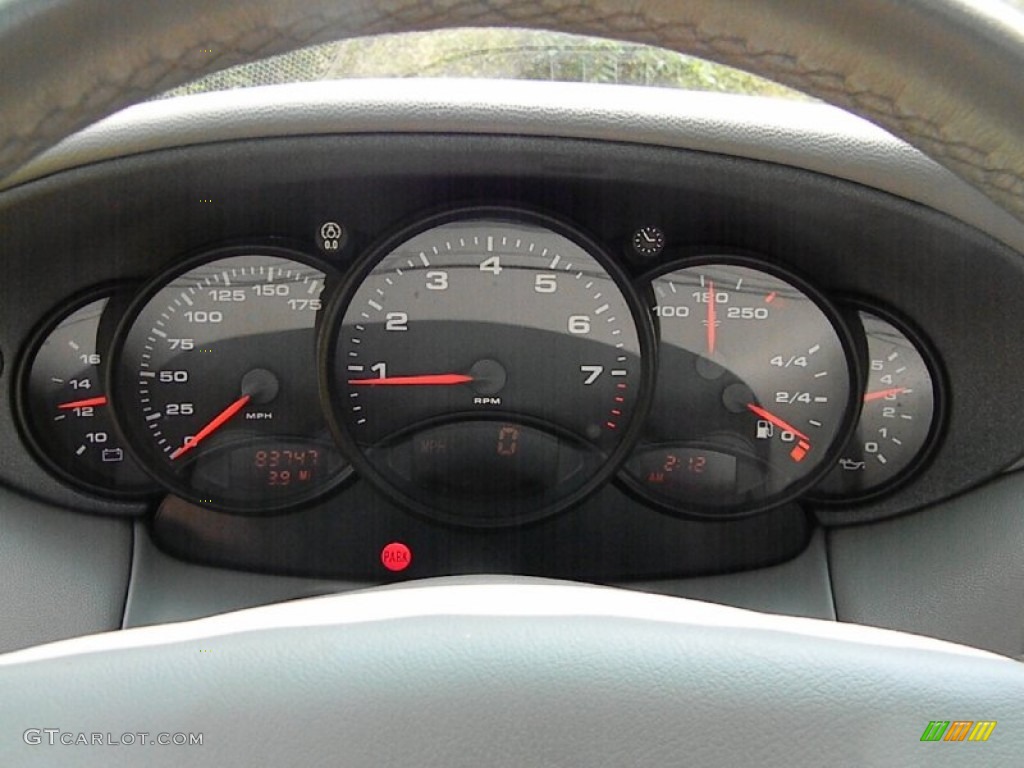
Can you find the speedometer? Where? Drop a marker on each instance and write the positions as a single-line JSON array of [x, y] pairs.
[[486, 367], [756, 389], [213, 381]]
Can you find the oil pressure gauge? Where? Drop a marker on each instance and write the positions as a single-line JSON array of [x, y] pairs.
[[898, 416]]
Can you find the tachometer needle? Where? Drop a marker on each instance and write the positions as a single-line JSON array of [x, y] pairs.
[[429, 380], [90, 403], [219, 421], [712, 319], [881, 394], [771, 417]]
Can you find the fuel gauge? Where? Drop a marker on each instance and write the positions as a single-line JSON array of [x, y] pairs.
[[898, 416], [64, 408]]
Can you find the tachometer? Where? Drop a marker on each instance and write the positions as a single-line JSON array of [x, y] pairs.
[[486, 367], [214, 381], [756, 389]]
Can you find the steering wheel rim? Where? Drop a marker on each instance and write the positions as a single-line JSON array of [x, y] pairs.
[[943, 75]]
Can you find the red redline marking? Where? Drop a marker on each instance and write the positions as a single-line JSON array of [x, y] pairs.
[[610, 424], [620, 399], [770, 297], [89, 403], [616, 412]]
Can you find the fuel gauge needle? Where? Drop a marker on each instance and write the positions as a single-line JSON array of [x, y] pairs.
[[218, 421], [92, 402], [429, 380], [803, 444]]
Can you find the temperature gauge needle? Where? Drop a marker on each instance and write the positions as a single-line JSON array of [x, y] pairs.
[[429, 380], [712, 317], [884, 393], [219, 421], [90, 403]]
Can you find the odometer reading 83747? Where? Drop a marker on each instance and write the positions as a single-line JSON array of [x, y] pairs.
[[215, 382], [485, 369]]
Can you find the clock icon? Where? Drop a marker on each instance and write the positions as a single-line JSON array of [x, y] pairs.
[[648, 241]]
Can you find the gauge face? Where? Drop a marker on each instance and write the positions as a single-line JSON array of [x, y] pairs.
[[65, 408], [215, 385], [896, 420], [486, 370], [754, 393]]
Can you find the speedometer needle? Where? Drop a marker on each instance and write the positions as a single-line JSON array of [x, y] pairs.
[[429, 380], [219, 421], [881, 394], [91, 402], [771, 417]]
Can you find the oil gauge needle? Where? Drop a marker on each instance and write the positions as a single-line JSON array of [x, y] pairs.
[[884, 393], [429, 380], [92, 402], [219, 421]]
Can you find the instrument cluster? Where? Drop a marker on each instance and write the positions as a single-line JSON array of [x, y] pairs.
[[482, 367]]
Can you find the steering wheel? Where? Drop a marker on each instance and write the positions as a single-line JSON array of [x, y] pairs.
[[522, 672]]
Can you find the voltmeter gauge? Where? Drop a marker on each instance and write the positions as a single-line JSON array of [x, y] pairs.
[[756, 391], [898, 416], [64, 408]]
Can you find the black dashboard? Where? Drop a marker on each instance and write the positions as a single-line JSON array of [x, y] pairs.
[[649, 221]]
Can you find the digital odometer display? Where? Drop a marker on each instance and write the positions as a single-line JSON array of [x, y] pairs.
[[486, 369], [215, 386]]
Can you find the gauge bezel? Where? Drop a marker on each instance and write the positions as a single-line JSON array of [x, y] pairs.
[[141, 450], [354, 279], [698, 257], [940, 404], [116, 290]]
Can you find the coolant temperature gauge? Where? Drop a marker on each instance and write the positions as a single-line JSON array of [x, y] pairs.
[[64, 408], [897, 421]]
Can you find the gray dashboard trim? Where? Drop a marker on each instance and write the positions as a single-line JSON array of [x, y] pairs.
[[62, 574], [799, 587], [810, 136], [165, 589], [953, 571]]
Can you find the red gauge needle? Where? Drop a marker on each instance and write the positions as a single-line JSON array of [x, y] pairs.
[[711, 317], [429, 380], [91, 402], [771, 417], [219, 421], [883, 394]]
